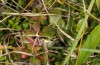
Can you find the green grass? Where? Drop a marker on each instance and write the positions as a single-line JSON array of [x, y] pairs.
[[50, 32]]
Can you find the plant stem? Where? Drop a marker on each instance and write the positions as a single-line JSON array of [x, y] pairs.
[[79, 35]]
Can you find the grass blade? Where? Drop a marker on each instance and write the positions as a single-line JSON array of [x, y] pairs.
[[79, 33], [91, 42]]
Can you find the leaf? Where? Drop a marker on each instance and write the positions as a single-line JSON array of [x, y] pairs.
[[93, 24], [11, 22], [91, 42], [69, 25], [61, 23], [49, 31], [25, 25], [35, 25], [79, 24], [36, 60], [56, 11], [30, 40], [7, 62], [54, 20], [58, 63], [18, 27], [22, 3], [15, 25], [2, 58]]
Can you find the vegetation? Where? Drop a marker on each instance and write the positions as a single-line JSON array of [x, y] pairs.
[[49, 32]]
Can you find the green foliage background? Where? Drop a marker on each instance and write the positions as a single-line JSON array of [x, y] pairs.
[[71, 27]]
